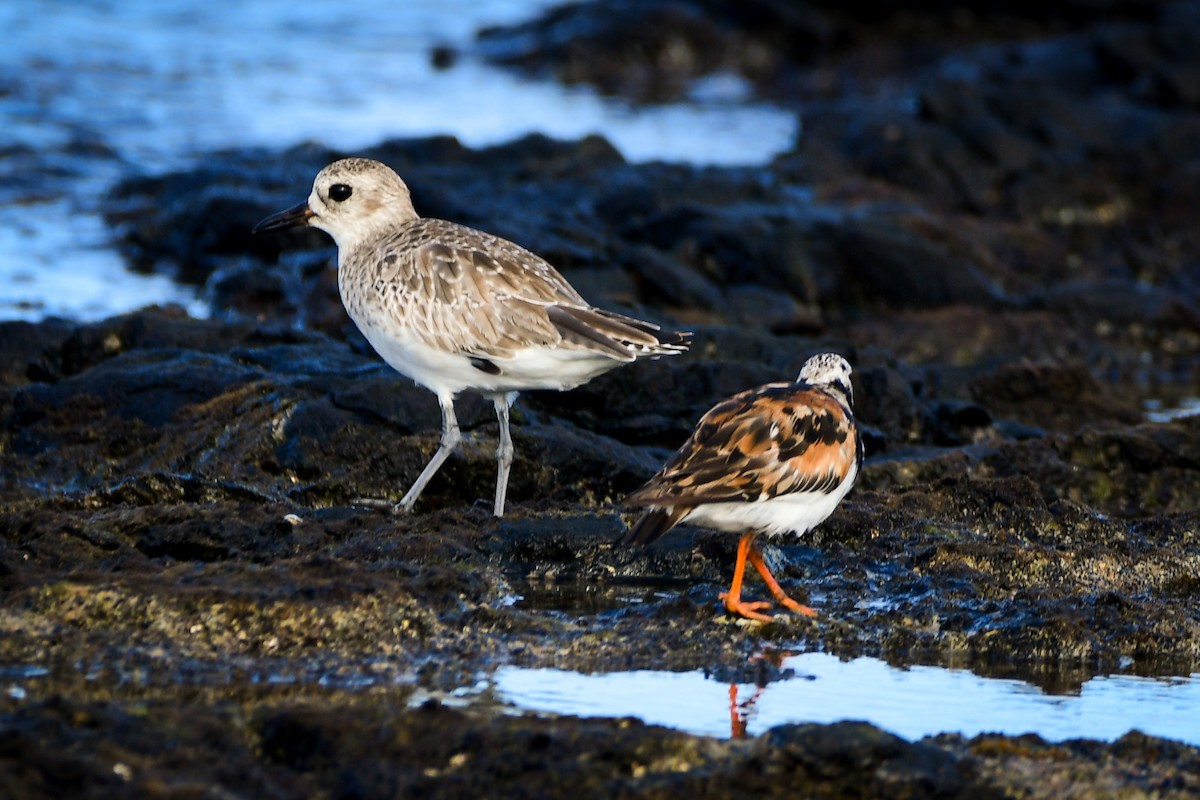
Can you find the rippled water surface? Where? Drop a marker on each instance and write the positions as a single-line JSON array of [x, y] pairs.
[[912, 702], [163, 83]]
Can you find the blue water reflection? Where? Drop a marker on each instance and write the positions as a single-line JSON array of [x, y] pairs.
[[912, 702]]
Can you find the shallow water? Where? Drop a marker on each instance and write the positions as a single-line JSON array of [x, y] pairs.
[[157, 85], [912, 702]]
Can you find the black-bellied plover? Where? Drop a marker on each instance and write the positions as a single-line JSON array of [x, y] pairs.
[[456, 309], [772, 460]]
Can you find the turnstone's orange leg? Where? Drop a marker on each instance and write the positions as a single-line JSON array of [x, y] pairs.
[[733, 598], [755, 557]]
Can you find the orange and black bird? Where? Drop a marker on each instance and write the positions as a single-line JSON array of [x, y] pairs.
[[773, 460]]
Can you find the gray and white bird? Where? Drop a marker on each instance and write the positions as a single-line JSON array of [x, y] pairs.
[[456, 309]]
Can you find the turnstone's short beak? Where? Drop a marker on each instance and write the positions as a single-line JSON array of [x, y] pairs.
[[292, 217]]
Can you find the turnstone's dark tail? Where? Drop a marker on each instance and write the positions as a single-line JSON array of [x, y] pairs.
[[652, 525]]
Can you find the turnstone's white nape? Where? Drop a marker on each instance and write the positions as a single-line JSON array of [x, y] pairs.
[[456, 309], [772, 460]]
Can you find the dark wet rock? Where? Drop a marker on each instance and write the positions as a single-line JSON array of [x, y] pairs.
[[1146, 470], [1126, 303], [312, 746], [656, 52], [21, 342], [1054, 769], [245, 289], [88, 345], [893, 764], [189, 237], [176, 506], [309, 410], [1050, 396], [882, 261], [654, 403], [1048, 140], [307, 738], [302, 423], [1136, 472], [665, 50]]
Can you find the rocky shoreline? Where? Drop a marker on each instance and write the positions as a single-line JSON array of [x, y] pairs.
[[190, 598]]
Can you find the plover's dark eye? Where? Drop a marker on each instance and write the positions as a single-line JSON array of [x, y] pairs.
[[339, 192]]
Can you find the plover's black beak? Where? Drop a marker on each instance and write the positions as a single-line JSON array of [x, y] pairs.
[[292, 217]]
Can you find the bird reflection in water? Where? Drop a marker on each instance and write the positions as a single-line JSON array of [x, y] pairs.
[[740, 713], [769, 663]]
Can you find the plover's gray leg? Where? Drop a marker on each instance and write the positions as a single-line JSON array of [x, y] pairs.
[[450, 439], [504, 450]]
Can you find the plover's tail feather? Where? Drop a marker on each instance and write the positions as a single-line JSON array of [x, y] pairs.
[[616, 335], [667, 342]]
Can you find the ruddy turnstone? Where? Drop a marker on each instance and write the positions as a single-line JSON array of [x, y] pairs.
[[771, 460], [456, 309]]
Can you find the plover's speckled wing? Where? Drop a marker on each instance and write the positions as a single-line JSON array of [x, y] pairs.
[[465, 291], [775, 440]]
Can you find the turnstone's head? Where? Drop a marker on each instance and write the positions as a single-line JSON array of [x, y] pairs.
[[352, 200], [831, 372]]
